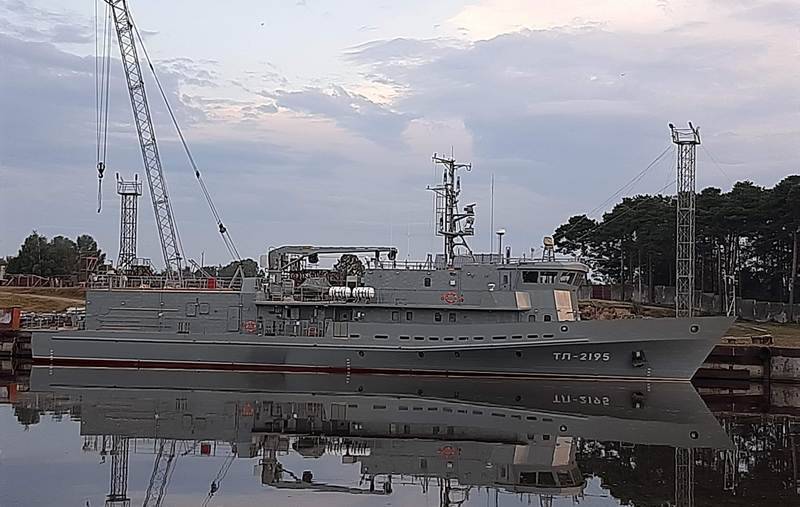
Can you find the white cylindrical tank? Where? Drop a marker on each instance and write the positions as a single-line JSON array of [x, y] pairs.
[[339, 292], [364, 292]]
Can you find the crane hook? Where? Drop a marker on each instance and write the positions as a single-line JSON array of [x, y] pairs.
[[101, 168]]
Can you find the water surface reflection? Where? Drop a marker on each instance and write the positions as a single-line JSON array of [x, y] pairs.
[[230, 438]]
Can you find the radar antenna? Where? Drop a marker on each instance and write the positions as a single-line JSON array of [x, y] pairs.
[[452, 224]]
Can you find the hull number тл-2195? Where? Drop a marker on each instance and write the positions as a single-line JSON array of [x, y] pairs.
[[582, 356]]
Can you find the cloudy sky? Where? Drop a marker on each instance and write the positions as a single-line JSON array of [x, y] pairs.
[[314, 121]]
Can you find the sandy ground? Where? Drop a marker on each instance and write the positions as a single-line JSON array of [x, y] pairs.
[[41, 299]]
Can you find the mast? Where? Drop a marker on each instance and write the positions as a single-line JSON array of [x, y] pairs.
[[687, 141], [454, 226]]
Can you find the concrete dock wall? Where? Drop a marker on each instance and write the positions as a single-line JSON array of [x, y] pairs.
[[752, 362]]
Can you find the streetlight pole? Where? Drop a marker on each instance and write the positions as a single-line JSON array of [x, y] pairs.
[[500, 233], [794, 276]]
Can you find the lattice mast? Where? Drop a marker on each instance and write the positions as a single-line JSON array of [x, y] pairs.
[[684, 477], [129, 193], [454, 226], [686, 140], [118, 490], [165, 221]]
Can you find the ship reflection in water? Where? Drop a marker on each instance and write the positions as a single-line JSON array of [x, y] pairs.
[[81, 436]]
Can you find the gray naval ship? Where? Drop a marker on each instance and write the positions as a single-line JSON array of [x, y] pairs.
[[516, 436], [458, 313]]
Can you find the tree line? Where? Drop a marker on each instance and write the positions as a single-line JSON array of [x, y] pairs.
[[61, 256], [56, 257], [749, 230]]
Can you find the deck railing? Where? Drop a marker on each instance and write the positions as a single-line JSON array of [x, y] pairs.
[[117, 281]]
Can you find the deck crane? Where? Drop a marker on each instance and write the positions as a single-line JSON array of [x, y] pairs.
[[127, 35]]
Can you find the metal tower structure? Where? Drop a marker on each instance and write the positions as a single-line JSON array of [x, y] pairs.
[[687, 140], [684, 477], [448, 218], [162, 466], [129, 193], [165, 221], [118, 492]]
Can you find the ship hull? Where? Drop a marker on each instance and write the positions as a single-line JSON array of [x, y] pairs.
[[657, 349]]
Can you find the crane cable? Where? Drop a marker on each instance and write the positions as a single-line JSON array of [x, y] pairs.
[[226, 237], [102, 69], [221, 474], [627, 186], [623, 213]]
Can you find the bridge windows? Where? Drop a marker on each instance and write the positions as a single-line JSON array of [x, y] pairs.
[[395, 316], [530, 277], [427, 281], [437, 317], [409, 315], [548, 276], [565, 277], [451, 317]]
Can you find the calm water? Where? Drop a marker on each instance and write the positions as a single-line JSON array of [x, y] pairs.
[[270, 439]]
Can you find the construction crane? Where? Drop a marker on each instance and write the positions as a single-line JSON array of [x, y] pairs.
[[127, 35], [162, 468], [165, 220]]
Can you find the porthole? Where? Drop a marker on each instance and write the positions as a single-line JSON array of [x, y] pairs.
[[694, 435], [695, 328], [421, 354], [564, 329], [518, 353], [563, 428], [457, 354], [360, 353]]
